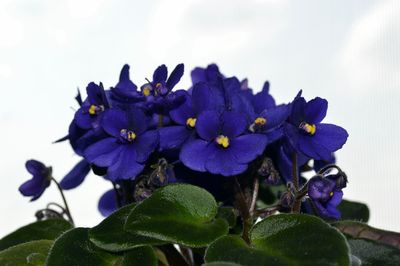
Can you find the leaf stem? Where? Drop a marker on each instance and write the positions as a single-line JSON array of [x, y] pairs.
[[244, 210]]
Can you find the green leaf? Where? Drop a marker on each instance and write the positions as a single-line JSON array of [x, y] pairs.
[[48, 229], [372, 253], [140, 256], [361, 230], [352, 210], [75, 248], [110, 234], [228, 214], [285, 239], [31, 253], [178, 213]]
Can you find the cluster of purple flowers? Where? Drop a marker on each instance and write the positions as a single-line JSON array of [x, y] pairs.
[[217, 128]]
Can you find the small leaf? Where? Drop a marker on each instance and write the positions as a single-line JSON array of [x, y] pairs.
[[361, 230], [31, 253], [352, 210], [140, 256], [74, 248], [178, 213], [228, 214], [372, 253], [285, 239], [110, 234], [48, 229]]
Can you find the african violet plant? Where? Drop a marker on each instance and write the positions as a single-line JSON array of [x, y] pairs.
[[212, 175]]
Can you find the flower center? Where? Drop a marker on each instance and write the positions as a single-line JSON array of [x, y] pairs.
[[95, 109], [308, 128], [259, 121], [191, 122], [223, 141], [331, 194], [127, 135], [146, 91]]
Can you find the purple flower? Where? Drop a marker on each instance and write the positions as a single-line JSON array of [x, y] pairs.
[[76, 176], [108, 203], [307, 135], [210, 74], [185, 117], [88, 114], [40, 181], [125, 92], [223, 147], [127, 147], [325, 196], [158, 92]]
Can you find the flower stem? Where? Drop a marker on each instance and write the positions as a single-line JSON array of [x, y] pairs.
[[243, 208], [297, 203], [65, 201], [256, 187]]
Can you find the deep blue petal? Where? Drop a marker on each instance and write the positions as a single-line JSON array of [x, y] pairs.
[[208, 125], [246, 148], [233, 124], [276, 116], [104, 152], [76, 176], [160, 75], [173, 137], [175, 76], [125, 87], [330, 136], [145, 144], [125, 166], [263, 100], [35, 167], [223, 161], [183, 112], [108, 203], [195, 153], [315, 110], [113, 121]]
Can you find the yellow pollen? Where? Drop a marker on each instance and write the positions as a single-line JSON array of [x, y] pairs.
[[331, 194], [92, 109], [158, 85], [223, 141], [146, 91], [191, 122], [131, 135], [309, 128], [260, 121]]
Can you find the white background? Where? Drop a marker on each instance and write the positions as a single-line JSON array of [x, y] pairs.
[[345, 51]]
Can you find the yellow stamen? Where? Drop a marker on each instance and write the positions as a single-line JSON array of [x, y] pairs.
[[260, 121], [131, 136], [146, 91], [191, 122], [92, 109], [331, 194], [223, 141], [158, 85], [309, 128]]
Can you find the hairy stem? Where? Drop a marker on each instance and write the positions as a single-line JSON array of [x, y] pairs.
[[243, 207], [256, 187], [297, 203], [68, 212]]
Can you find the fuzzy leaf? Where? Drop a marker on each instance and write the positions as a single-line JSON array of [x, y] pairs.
[[178, 213], [285, 239], [75, 248], [110, 234], [31, 253], [48, 229]]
